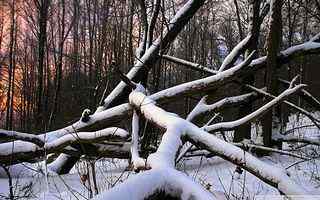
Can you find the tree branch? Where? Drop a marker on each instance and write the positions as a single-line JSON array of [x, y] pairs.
[[18, 151], [177, 128]]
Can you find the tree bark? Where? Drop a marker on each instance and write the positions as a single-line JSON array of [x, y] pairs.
[[273, 47]]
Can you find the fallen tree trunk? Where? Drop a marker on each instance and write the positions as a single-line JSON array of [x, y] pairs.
[[178, 128], [19, 151]]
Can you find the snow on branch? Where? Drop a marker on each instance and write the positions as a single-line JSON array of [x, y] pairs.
[[307, 48], [138, 162], [178, 128], [271, 175], [245, 145], [315, 38], [202, 107], [306, 140], [309, 98], [19, 150], [7, 136], [235, 53], [204, 84], [254, 115], [194, 66], [299, 109]]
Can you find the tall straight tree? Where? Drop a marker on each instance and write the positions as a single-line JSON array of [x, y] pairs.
[[61, 40], [273, 48], [42, 8], [11, 68], [244, 132]]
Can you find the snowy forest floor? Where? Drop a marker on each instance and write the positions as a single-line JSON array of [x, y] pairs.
[[215, 174]]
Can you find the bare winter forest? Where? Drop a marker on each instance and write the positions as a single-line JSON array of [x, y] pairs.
[[160, 99]]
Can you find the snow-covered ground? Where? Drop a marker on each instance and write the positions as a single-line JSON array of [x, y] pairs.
[[215, 174]]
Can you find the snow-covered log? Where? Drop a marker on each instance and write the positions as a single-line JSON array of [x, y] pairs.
[[178, 128], [64, 162], [212, 82], [7, 136], [18, 151]]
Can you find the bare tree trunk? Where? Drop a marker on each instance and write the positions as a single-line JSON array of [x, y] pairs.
[[244, 132], [60, 63], [9, 103], [273, 48], [238, 19], [43, 9]]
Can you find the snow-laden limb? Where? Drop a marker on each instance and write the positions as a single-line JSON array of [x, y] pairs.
[[307, 48], [202, 107], [98, 136], [194, 66], [204, 84], [235, 53], [6, 136], [306, 140], [254, 115], [194, 152], [140, 69], [177, 128], [62, 164], [17, 151], [307, 96], [146, 184], [268, 149], [96, 121], [315, 38], [137, 161], [299, 109]]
